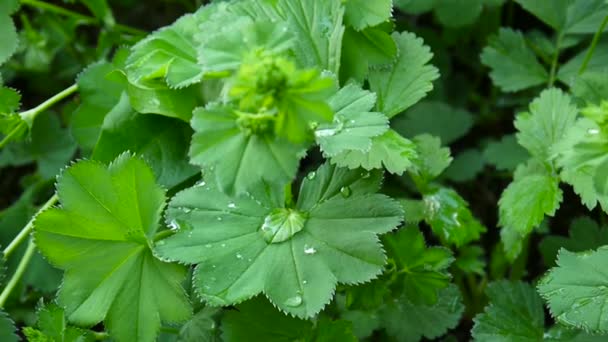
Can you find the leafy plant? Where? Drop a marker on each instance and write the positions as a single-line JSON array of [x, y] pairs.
[[303, 170]]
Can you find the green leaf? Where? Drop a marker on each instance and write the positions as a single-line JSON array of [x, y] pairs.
[[432, 159], [330, 331], [7, 328], [584, 234], [163, 142], [363, 49], [406, 321], [98, 97], [51, 147], [576, 290], [390, 150], [226, 236], [471, 259], [361, 13], [10, 40], [514, 66], [466, 166], [434, 118], [515, 313], [202, 327], [524, 204], [52, 325], [568, 16], [425, 270], [415, 6], [168, 54], [354, 125], [101, 10], [246, 40], [591, 87], [550, 116], [10, 100], [258, 320], [505, 154], [239, 149], [407, 80], [580, 155], [101, 237], [317, 26], [450, 218], [156, 98], [445, 10], [569, 72]]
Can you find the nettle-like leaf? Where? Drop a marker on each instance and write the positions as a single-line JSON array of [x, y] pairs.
[[514, 66], [584, 234], [168, 54], [8, 32], [450, 218], [425, 270], [229, 143], [407, 80], [550, 116], [515, 313], [389, 150], [7, 328], [577, 289], [524, 203], [101, 236], [354, 125], [52, 325], [257, 242], [568, 16], [581, 155], [432, 159], [406, 321]]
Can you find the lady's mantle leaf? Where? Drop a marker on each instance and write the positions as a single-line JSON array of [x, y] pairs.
[[577, 289], [407, 80], [515, 313], [240, 148], [101, 236], [407, 321], [228, 237], [361, 13], [354, 125], [52, 325], [7, 328], [425, 269], [168, 54]]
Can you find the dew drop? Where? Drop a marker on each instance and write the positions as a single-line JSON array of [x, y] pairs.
[[313, 125], [231, 205], [160, 243], [208, 245], [294, 301], [189, 234], [311, 175], [219, 218], [223, 245], [309, 250], [213, 266], [345, 191], [199, 184], [173, 225], [593, 131], [186, 210], [304, 282], [239, 256], [365, 175]]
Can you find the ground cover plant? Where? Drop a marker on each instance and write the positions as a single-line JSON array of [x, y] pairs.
[[289, 170]]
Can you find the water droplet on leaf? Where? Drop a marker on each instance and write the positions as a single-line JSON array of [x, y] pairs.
[[294, 301], [231, 205], [309, 250], [345, 191], [311, 175]]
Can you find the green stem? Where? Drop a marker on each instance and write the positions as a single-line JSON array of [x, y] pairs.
[[162, 234], [25, 260], [29, 115], [28, 228], [558, 45], [84, 19], [594, 42]]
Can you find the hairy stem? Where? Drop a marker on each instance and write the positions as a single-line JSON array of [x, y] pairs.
[[84, 19], [591, 50], [28, 228], [28, 116], [25, 260], [553, 73]]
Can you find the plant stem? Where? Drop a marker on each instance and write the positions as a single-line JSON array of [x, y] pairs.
[[558, 44], [596, 38], [85, 19], [28, 228], [28, 116], [25, 260], [162, 234]]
